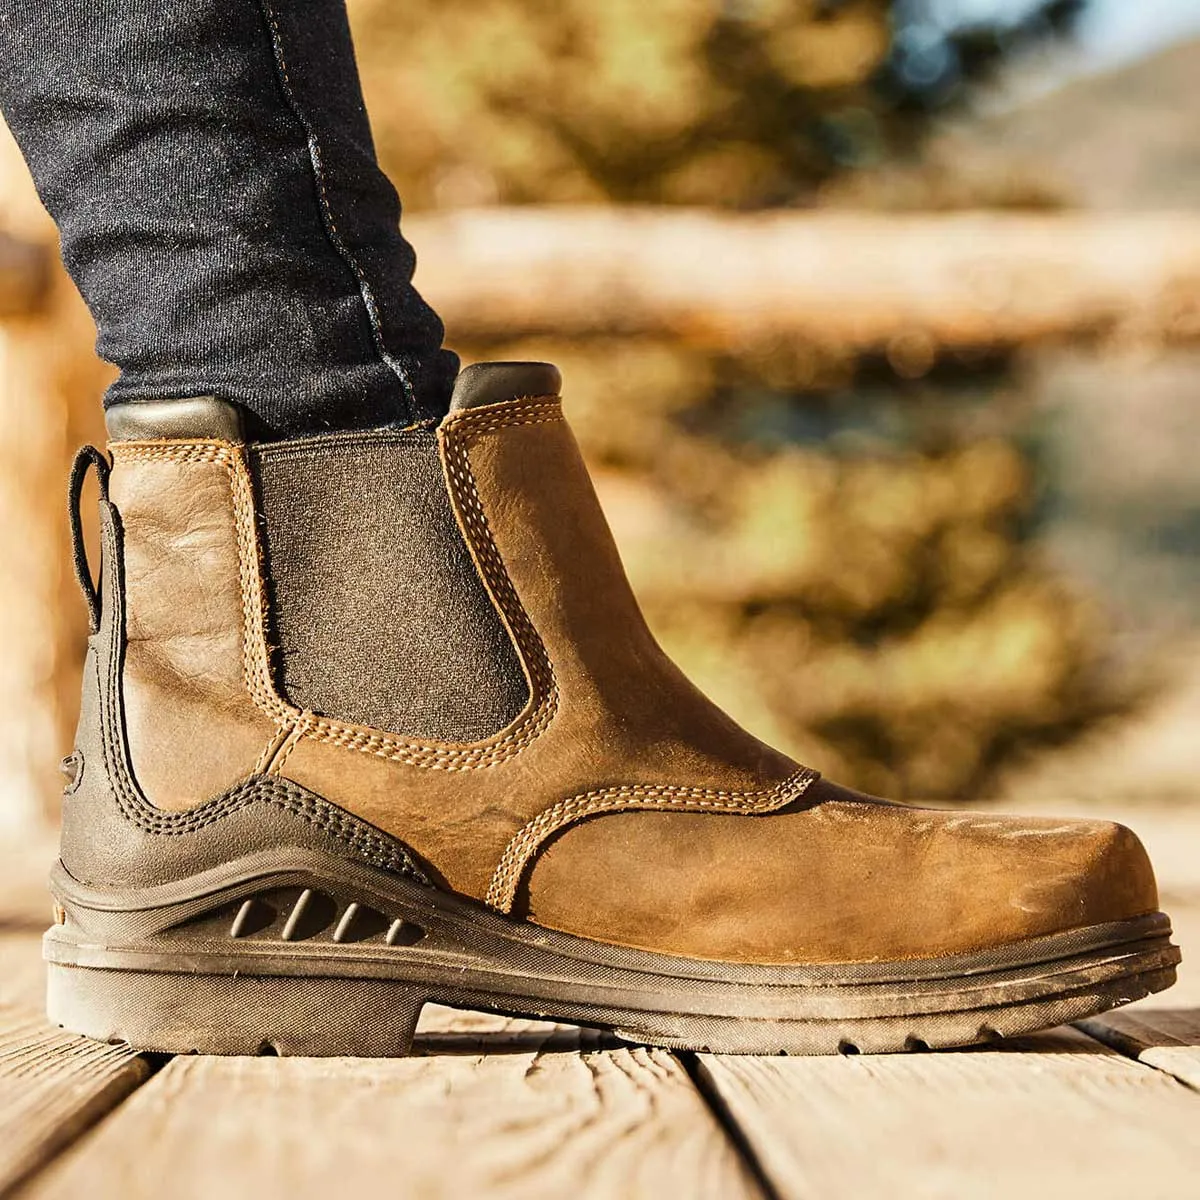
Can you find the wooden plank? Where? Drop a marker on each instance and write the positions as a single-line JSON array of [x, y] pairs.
[[854, 281], [528, 1118], [1165, 1038], [1049, 1116], [444, 1030], [53, 1086]]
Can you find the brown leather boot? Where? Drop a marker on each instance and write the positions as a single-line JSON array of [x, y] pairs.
[[372, 719]]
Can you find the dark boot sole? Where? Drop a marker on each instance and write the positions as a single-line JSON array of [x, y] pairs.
[[294, 953]]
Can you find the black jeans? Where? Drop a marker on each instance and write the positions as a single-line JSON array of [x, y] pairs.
[[212, 173]]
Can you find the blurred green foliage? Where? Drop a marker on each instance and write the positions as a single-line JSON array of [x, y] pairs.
[[673, 101], [733, 103], [873, 603]]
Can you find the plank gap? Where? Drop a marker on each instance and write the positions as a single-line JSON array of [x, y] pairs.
[[54, 1086], [728, 1122], [1044, 1116], [1167, 1039], [543, 1110]]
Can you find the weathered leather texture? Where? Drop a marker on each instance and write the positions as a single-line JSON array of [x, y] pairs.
[[193, 729], [113, 836], [619, 804], [843, 877], [378, 614]]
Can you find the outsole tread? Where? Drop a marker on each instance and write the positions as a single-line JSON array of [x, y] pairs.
[[312, 961], [389, 1030]]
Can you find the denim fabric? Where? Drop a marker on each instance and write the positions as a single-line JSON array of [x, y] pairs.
[[211, 169]]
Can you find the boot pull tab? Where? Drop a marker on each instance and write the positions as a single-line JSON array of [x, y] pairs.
[[86, 458]]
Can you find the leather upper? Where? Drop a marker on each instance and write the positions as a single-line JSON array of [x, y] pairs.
[[620, 803]]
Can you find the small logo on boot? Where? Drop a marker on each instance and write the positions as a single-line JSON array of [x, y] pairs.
[[72, 768]]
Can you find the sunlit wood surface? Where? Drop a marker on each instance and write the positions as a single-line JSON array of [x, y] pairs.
[[494, 1107], [859, 281]]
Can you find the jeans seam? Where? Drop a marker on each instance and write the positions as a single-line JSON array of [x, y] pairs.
[[366, 292]]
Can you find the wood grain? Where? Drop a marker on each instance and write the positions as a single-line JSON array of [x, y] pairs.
[[53, 1086], [443, 1030], [1166, 1038], [515, 1122], [1051, 1116]]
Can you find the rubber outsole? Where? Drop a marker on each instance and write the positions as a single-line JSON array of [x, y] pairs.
[[297, 954]]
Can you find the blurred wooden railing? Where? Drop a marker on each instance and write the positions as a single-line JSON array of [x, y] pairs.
[[857, 281]]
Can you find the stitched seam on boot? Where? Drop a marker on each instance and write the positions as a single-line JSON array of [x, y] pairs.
[[519, 852], [362, 839], [270, 750], [288, 745], [255, 666], [456, 436], [276, 750]]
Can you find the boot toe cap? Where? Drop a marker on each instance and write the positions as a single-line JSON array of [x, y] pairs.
[[839, 881], [1100, 874]]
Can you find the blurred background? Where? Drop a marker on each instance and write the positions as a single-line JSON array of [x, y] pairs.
[[881, 330]]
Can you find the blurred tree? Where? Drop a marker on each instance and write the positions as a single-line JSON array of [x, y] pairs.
[[941, 47], [837, 550], [737, 103], [844, 559]]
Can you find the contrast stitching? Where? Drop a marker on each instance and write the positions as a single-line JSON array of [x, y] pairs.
[[335, 238], [280, 747], [270, 750], [255, 665], [360, 838], [502, 893], [456, 435], [289, 744]]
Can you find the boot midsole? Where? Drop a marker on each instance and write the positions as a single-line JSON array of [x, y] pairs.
[[249, 919]]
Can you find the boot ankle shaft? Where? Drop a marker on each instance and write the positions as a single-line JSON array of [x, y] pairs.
[[214, 562]]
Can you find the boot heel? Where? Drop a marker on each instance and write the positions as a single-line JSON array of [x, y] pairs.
[[235, 1014]]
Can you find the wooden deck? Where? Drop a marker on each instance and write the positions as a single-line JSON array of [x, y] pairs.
[[492, 1107]]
